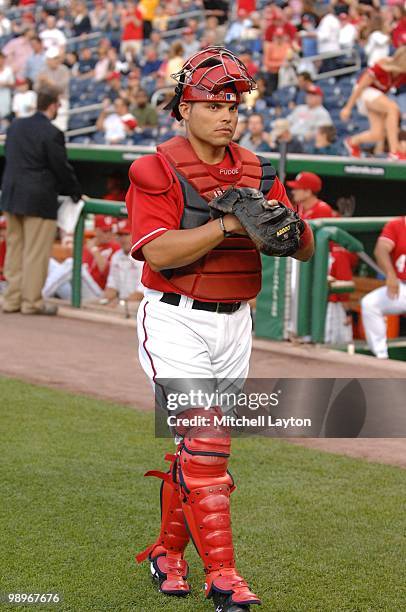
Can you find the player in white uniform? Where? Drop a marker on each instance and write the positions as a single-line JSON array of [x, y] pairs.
[[390, 253], [194, 321]]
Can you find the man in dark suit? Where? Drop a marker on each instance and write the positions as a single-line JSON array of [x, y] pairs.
[[36, 171]]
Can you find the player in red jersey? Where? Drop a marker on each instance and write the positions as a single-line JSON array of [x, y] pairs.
[[194, 321], [390, 253], [383, 113], [305, 188], [100, 249]]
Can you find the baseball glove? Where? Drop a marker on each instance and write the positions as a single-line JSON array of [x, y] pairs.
[[273, 228]]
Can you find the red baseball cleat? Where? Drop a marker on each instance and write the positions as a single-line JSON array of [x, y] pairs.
[[353, 150], [398, 156]]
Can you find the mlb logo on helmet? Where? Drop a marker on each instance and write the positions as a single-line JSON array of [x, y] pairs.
[[231, 97]]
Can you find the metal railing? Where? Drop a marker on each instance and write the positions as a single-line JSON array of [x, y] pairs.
[[313, 286], [343, 53], [92, 206]]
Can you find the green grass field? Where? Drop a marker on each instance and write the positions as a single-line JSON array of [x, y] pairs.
[[313, 532]]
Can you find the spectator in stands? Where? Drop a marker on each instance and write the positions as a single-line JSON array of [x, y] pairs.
[[348, 35], [276, 53], [71, 61], [36, 61], [281, 133], [175, 62], [257, 99], [304, 81], [148, 9], [113, 80], [305, 188], [213, 30], [190, 43], [55, 74], [378, 43], [255, 139], [328, 38], [17, 51], [81, 21], [150, 62], [278, 19], [98, 16], [370, 96], [5, 25], [64, 21], [115, 121], [24, 99], [99, 250], [133, 83], [87, 63], [308, 36], [132, 33], [325, 142], [306, 118], [124, 279], [6, 85], [113, 20], [143, 111], [52, 36], [102, 66], [237, 29], [159, 44]]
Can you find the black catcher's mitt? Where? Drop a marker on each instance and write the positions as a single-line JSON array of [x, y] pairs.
[[273, 228]]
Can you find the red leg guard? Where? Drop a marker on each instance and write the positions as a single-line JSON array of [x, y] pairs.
[[205, 489], [168, 566]]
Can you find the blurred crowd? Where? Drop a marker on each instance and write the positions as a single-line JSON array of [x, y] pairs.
[[114, 60]]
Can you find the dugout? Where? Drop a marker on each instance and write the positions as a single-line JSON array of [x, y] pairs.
[[378, 185]]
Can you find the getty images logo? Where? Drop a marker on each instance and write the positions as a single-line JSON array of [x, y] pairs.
[[229, 171]]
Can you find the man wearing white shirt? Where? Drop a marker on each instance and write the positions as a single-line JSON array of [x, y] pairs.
[[115, 121], [52, 36], [305, 119], [24, 100], [124, 280], [328, 34], [348, 32]]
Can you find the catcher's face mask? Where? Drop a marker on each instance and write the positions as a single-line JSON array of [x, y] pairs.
[[214, 74]]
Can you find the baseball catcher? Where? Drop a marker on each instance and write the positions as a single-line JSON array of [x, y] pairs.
[[202, 210]]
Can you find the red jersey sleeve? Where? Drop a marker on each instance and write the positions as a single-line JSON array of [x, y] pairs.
[[151, 216], [278, 192], [391, 231]]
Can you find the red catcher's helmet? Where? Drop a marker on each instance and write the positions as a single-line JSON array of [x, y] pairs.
[[213, 74]]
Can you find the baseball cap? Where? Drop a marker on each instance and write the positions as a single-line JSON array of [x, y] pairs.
[[314, 90], [52, 52], [19, 82], [104, 222], [306, 180], [123, 226]]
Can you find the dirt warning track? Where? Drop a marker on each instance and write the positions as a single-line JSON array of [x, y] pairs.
[[100, 359]]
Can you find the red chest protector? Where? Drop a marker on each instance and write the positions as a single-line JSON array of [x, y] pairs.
[[231, 271]]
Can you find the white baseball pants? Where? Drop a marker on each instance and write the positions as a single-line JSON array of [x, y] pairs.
[[375, 306]]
